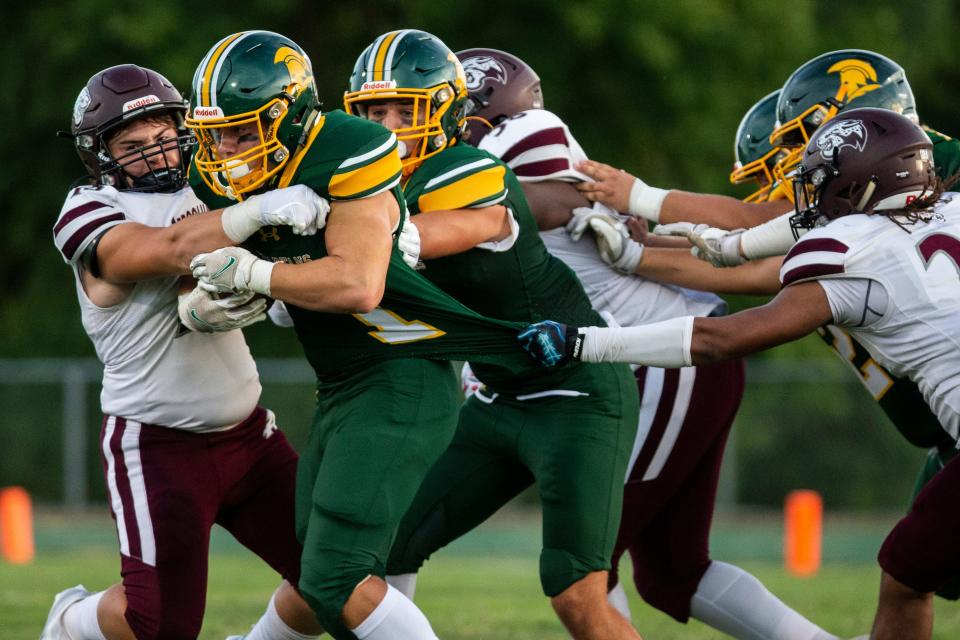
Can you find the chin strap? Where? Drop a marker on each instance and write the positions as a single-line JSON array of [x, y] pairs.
[[867, 193]]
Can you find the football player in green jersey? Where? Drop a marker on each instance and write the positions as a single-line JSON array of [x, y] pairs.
[[378, 335], [571, 434]]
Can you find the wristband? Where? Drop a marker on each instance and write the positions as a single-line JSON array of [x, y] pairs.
[[661, 344], [260, 274], [772, 238], [240, 221], [646, 201]]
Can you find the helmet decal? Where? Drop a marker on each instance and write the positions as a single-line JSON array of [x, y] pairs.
[[857, 77], [140, 102], [381, 54], [83, 101], [480, 67], [297, 65], [837, 135]]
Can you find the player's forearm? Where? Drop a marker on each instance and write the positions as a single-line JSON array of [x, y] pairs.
[[445, 233], [716, 210], [132, 252], [330, 284], [678, 267]]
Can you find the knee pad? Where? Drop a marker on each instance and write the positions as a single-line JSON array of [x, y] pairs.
[[559, 569]]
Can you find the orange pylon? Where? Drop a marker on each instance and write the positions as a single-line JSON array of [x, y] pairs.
[[803, 532], [16, 525]]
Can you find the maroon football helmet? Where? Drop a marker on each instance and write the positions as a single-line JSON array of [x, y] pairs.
[[113, 98], [861, 161], [500, 85]]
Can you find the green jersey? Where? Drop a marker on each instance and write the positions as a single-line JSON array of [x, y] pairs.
[[946, 153], [521, 281], [346, 158]]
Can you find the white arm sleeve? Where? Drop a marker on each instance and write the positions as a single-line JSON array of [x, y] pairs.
[[661, 344], [772, 238], [855, 302]]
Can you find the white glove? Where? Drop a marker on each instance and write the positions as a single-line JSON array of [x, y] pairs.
[[409, 244], [615, 246], [200, 311], [232, 270], [298, 207], [719, 247], [581, 220]]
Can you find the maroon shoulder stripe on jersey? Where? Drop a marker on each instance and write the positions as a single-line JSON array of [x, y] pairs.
[[816, 244], [541, 168], [554, 135], [75, 213], [810, 271], [70, 246]]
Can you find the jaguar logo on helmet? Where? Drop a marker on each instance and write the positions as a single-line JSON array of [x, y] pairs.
[[83, 101], [480, 68], [857, 77], [837, 135]]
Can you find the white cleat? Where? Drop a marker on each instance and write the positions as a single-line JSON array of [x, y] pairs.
[[53, 629]]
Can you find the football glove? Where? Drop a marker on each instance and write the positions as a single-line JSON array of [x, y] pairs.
[[719, 247], [298, 207], [200, 311], [232, 270], [409, 244], [551, 343], [615, 246], [581, 220]]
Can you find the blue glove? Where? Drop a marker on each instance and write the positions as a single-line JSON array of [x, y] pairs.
[[551, 343]]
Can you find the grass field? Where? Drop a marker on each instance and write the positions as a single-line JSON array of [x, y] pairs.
[[484, 586]]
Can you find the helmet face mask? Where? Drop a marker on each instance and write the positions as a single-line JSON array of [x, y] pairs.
[[414, 68], [256, 85], [121, 97], [755, 157], [870, 160]]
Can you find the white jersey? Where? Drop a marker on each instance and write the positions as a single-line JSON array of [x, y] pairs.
[[154, 371], [538, 146], [915, 333]]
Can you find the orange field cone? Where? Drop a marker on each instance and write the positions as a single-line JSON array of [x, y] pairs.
[[803, 532], [16, 525]]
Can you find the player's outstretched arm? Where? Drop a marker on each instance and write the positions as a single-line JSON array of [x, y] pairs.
[[131, 252], [448, 232], [681, 342], [679, 267], [552, 201], [624, 192]]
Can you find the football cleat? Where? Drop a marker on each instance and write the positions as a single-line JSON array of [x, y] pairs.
[[53, 629]]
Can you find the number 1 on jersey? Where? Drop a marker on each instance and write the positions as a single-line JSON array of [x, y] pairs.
[[392, 329]]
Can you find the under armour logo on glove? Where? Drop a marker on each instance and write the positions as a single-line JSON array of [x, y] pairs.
[[551, 343]]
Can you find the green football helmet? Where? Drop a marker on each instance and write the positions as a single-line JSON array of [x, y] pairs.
[[415, 66], [829, 84], [256, 81], [755, 157]]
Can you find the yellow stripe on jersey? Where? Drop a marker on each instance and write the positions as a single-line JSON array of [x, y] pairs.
[[205, 89], [297, 158], [353, 183], [476, 187], [381, 55]]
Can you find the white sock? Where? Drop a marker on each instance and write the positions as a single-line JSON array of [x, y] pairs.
[[617, 598], [405, 583], [733, 601], [271, 627], [395, 618], [80, 619]]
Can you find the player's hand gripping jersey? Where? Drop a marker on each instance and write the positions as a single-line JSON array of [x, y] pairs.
[[538, 146], [516, 278], [897, 293], [154, 371], [346, 158]]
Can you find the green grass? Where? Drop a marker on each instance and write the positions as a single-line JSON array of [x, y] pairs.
[[484, 586]]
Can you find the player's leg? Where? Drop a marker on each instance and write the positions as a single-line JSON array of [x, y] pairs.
[[578, 449], [258, 470], [918, 557], [933, 463], [158, 481], [380, 431], [474, 477]]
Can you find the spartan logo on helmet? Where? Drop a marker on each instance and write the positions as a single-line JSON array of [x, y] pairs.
[[837, 135], [857, 77], [480, 68]]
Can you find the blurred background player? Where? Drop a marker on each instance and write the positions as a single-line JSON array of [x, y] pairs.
[[184, 442], [686, 414], [570, 434], [881, 261]]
